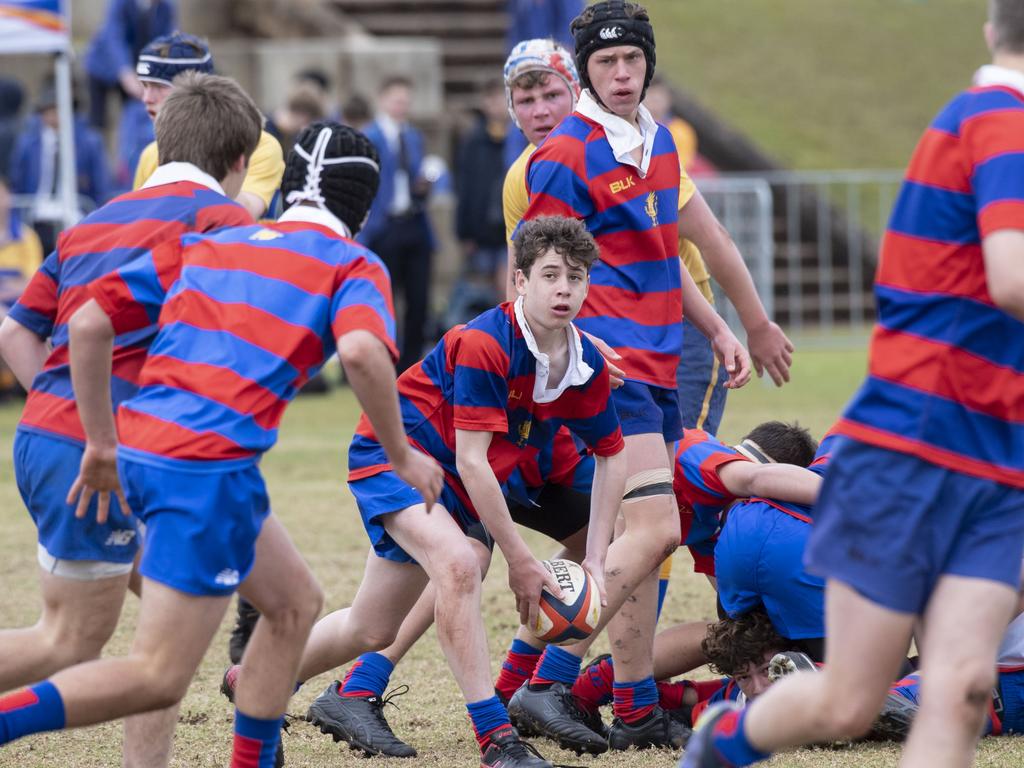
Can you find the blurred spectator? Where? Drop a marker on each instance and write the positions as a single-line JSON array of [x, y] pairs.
[[397, 228], [11, 97], [21, 253], [479, 175], [35, 166], [163, 59], [356, 112], [659, 102], [114, 49], [134, 134], [304, 104], [529, 19]]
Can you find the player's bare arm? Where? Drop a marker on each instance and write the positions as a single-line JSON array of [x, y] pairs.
[[526, 576], [1004, 253], [91, 342], [22, 350], [371, 373], [769, 347], [785, 482]]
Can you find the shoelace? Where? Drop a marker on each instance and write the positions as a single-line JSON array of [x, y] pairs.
[[378, 706]]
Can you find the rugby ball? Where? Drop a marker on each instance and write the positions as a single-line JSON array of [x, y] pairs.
[[571, 618]]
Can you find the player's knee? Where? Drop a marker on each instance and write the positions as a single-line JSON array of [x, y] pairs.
[[968, 682], [298, 610], [459, 576]]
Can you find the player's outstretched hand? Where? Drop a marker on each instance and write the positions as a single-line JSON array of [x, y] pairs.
[[527, 578], [771, 351], [734, 358], [97, 476], [616, 374], [422, 473], [596, 571]]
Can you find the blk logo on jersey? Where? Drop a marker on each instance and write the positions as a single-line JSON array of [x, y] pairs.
[[611, 33], [622, 184]]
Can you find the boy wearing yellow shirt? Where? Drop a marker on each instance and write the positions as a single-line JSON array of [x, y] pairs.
[[163, 59]]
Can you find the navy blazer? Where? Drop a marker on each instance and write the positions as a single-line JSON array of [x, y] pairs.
[[377, 221]]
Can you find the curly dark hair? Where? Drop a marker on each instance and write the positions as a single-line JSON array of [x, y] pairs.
[[569, 237], [731, 645]]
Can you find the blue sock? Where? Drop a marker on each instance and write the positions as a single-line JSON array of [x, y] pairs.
[[556, 666], [368, 676], [30, 710], [729, 740], [521, 646], [255, 741], [487, 716], [633, 701]]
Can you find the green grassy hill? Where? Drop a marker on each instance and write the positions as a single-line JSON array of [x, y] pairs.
[[823, 83]]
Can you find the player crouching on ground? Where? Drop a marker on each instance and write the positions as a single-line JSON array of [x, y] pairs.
[[489, 393], [246, 317]]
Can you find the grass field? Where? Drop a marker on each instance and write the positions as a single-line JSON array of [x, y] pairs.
[[823, 83], [304, 473]]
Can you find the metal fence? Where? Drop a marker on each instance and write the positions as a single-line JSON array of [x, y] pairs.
[[810, 240]]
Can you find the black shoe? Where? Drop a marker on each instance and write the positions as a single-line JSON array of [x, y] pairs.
[[507, 750], [657, 730], [227, 687], [552, 712], [359, 721], [245, 623]]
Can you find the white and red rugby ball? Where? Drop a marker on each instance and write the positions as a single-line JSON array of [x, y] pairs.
[[573, 617]]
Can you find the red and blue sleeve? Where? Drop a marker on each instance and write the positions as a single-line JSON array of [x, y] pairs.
[[557, 180], [362, 302], [480, 365], [995, 145], [36, 308], [599, 428], [133, 295]]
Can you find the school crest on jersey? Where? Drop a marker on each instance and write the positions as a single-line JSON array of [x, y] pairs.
[[524, 433], [651, 208]]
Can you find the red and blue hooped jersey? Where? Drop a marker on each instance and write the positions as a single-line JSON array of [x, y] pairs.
[[946, 374], [564, 462], [699, 492], [480, 377], [635, 298], [106, 239], [246, 317]]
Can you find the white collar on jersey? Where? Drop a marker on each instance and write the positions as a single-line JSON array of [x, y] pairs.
[[576, 374], [169, 173], [313, 215], [622, 135], [990, 74]]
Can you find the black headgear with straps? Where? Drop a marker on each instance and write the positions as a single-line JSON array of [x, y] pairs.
[[607, 25], [336, 168]]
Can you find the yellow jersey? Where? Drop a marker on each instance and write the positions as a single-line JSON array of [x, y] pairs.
[[22, 257], [266, 167]]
